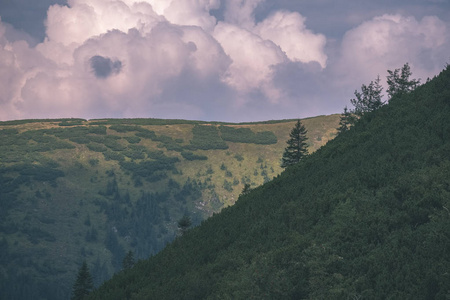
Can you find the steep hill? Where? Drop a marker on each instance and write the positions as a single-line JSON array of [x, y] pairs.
[[74, 190], [365, 217]]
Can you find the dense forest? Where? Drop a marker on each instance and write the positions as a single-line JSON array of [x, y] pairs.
[[74, 191], [364, 217]]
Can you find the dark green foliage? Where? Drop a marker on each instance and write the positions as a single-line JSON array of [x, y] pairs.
[[80, 139], [239, 157], [365, 217], [347, 120], [101, 130], [246, 189], [228, 186], [183, 224], [71, 122], [96, 147], [113, 144], [125, 128], [206, 137], [168, 143], [133, 139], [369, 99], [83, 284], [37, 172], [112, 155], [191, 156], [246, 135], [147, 134], [116, 249], [20, 122], [134, 154], [399, 83], [296, 149], [128, 261], [151, 170]]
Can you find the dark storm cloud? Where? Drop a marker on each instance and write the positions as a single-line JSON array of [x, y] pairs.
[[103, 67]]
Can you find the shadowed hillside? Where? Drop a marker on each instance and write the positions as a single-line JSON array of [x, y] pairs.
[[74, 190], [365, 217]]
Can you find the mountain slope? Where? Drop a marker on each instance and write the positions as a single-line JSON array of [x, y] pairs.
[[74, 190], [365, 217]]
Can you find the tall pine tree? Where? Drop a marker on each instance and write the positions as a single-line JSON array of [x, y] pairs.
[[84, 283], [128, 261], [347, 120], [369, 99], [296, 148], [399, 82]]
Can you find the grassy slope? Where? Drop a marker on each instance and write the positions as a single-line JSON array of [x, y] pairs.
[[45, 223], [365, 217]]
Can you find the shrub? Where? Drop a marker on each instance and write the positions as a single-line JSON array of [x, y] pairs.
[[207, 138], [191, 156], [246, 135], [96, 147], [111, 155], [133, 139]]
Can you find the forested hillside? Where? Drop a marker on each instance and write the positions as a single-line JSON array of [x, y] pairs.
[[73, 190], [365, 217]]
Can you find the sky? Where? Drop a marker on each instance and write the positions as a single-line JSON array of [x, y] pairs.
[[212, 60]]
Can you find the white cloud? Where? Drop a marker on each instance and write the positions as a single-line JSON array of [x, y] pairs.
[[190, 12], [288, 30], [253, 58], [389, 41], [129, 58], [138, 58], [241, 12]]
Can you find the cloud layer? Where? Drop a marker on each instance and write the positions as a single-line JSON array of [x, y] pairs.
[[174, 59]]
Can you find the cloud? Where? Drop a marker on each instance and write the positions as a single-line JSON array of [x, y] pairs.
[[288, 30], [130, 58], [389, 41], [103, 67]]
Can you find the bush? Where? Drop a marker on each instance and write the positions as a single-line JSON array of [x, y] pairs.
[[97, 129], [246, 135], [147, 134], [80, 139], [133, 139], [239, 157], [207, 138], [114, 145], [125, 128], [133, 154], [97, 147], [111, 155], [191, 156]]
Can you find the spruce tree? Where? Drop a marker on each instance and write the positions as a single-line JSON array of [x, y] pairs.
[[84, 283], [369, 99], [296, 148], [184, 223], [128, 261], [347, 120], [399, 82]]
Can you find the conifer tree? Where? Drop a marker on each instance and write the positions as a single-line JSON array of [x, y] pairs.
[[247, 188], [296, 148], [399, 82], [347, 120], [128, 261], [369, 99], [184, 223], [83, 284]]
